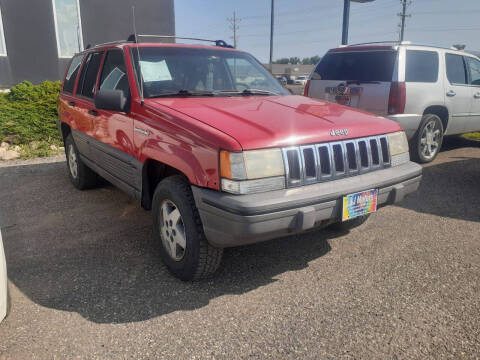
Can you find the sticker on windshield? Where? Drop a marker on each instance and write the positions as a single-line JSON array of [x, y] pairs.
[[112, 80], [155, 71]]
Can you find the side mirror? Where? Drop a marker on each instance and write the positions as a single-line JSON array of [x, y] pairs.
[[114, 100]]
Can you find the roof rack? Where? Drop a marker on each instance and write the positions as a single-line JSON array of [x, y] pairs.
[[394, 42], [220, 43], [134, 39], [111, 43]]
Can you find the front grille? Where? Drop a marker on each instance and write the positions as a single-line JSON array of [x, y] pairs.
[[310, 164]]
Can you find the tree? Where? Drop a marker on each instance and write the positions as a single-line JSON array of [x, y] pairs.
[[315, 59], [294, 60], [281, 61], [311, 60]]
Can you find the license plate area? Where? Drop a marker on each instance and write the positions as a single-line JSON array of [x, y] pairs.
[[358, 204]]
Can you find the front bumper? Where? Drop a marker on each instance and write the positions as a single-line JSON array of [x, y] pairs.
[[232, 220]]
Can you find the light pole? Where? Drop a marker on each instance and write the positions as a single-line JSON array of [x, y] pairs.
[[346, 18]]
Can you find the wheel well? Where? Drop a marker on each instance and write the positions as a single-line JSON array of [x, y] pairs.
[[65, 130], [441, 112], [152, 173]]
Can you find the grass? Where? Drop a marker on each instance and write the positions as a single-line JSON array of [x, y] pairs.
[[28, 116], [472, 136]]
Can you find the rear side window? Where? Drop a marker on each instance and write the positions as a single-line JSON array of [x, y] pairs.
[[358, 65], [456, 70], [88, 76], [72, 73], [422, 66], [474, 67], [114, 73]]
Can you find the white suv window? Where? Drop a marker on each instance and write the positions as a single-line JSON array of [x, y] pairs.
[[456, 70], [356, 65], [474, 66], [422, 66]]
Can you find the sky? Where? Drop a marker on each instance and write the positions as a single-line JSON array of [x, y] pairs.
[[305, 28]]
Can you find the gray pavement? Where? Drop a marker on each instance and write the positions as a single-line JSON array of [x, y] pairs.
[[86, 281]]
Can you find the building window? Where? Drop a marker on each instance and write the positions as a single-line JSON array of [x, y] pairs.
[[68, 27], [3, 46]]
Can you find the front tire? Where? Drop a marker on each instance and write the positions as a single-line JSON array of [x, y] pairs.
[[428, 140], [177, 226], [81, 176]]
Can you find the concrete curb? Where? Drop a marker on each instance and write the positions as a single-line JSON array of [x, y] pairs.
[[25, 162]]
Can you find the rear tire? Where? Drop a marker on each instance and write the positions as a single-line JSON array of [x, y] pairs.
[[427, 142], [349, 224], [81, 176], [178, 228]]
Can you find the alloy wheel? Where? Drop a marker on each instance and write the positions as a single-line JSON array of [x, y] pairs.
[[72, 161], [172, 230], [430, 140]]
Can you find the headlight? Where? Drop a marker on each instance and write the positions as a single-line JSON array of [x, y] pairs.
[[398, 147], [252, 171]]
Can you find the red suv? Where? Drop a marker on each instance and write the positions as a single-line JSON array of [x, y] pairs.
[[220, 152]]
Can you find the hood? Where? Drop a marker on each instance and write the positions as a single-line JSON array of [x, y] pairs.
[[271, 121]]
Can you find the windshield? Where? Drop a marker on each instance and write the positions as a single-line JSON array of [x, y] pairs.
[[360, 65], [189, 71]]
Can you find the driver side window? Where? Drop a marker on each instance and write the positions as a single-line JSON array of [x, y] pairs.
[[114, 73], [474, 66]]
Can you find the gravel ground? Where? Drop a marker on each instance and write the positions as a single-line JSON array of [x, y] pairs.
[[86, 281]]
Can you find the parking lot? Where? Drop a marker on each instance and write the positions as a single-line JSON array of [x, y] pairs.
[[86, 281]]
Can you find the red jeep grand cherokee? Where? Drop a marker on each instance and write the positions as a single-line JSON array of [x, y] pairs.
[[220, 152]]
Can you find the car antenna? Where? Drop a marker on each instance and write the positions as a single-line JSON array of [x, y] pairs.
[[140, 77]]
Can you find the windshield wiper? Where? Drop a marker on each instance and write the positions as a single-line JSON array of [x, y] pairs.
[[184, 92], [250, 92]]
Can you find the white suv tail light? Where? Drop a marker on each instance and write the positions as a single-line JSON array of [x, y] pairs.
[[397, 98]]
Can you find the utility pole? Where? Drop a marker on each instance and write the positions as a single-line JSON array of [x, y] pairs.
[[403, 15], [271, 35], [234, 26], [346, 20]]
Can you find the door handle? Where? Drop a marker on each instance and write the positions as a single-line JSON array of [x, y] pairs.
[[93, 112], [477, 95], [451, 93], [71, 103]]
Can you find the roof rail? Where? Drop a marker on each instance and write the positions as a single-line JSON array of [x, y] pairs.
[[394, 42], [134, 39], [220, 43], [113, 42]]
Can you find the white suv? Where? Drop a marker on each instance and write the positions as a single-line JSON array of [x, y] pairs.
[[430, 91]]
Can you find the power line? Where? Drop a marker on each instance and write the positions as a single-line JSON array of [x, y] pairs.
[[234, 27], [301, 12], [448, 12]]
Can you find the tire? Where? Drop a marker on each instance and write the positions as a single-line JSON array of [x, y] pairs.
[[81, 176], [178, 229], [349, 224], [425, 147]]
